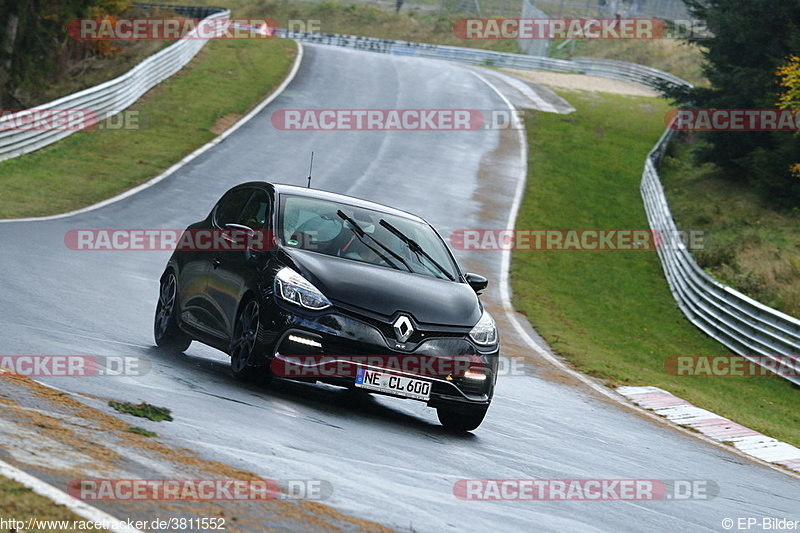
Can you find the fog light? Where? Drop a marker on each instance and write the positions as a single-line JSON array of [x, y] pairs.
[[475, 374], [306, 341]]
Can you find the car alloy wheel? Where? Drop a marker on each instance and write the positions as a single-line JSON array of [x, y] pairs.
[[165, 328], [244, 346]]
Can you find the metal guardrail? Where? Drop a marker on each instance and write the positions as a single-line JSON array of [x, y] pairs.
[[750, 329], [747, 327], [474, 56], [114, 96], [109, 98], [620, 70]]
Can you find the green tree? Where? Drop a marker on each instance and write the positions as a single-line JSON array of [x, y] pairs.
[[34, 45], [789, 76], [750, 39]]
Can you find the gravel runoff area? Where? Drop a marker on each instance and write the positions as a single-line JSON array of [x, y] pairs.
[[582, 82]]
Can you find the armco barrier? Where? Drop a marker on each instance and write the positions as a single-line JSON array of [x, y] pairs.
[[747, 327], [473, 56], [113, 96]]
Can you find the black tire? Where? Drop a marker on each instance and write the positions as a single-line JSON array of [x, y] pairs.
[[165, 325], [461, 419], [244, 351]]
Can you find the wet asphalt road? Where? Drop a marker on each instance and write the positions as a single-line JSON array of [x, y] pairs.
[[388, 460]]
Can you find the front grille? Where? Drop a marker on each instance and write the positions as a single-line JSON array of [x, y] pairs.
[[336, 347], [421, 332]]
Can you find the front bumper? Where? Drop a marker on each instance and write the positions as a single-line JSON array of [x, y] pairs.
[[331, 346]]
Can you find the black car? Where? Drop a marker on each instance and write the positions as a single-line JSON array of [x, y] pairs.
[[311, 285]]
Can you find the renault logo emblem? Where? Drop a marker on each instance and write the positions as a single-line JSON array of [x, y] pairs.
[[403, 328]]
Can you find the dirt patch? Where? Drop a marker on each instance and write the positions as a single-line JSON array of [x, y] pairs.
[[62, 439], [582, 82], [223, 123]]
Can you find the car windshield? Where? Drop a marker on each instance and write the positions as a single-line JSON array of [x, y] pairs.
[[356, 233]]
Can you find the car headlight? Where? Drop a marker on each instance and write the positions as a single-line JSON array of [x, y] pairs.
[[485, 331], [294, 288]]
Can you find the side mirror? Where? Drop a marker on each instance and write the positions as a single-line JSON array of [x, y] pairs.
[[247, 239], [478, 283]]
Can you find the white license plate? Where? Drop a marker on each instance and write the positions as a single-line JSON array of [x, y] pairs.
[[393, 384]]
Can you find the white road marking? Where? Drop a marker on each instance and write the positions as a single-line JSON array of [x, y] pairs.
[[180, 164], [60, 497], [542, 351]]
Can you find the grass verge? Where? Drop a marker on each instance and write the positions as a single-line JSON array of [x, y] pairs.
[[93, 165], [423, 25], [746, 245], [611, 314], [425, 22], [670, 55], [18, 502]]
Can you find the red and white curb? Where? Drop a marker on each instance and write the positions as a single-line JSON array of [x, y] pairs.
[[714, 426]]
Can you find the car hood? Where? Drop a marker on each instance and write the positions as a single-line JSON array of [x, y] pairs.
[[386, 291]]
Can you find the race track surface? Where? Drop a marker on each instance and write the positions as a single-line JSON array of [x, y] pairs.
[[388, 460]]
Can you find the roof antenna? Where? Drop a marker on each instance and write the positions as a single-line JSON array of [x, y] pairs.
[[310, 168]]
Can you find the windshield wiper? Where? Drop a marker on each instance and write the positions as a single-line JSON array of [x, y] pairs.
[[359, 232], [416, 248]]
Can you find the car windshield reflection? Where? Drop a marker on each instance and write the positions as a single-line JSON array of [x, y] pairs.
[[356, 233]]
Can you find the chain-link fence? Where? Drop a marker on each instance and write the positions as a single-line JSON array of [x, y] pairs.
[[482, 8], [664, 9], [667, 9], [534, 47], [538, 9]]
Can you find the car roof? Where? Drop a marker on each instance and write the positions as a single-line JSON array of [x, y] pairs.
[[282, 188]]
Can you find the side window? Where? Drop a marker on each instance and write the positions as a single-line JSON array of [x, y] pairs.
[[316, 218], [230, 207], [256, 213]]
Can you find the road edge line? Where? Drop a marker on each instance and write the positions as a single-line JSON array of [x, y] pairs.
[[40, 487], [183, 162], [60, 497]]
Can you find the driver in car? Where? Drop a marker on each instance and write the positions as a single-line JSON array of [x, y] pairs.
[[354, 248]]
